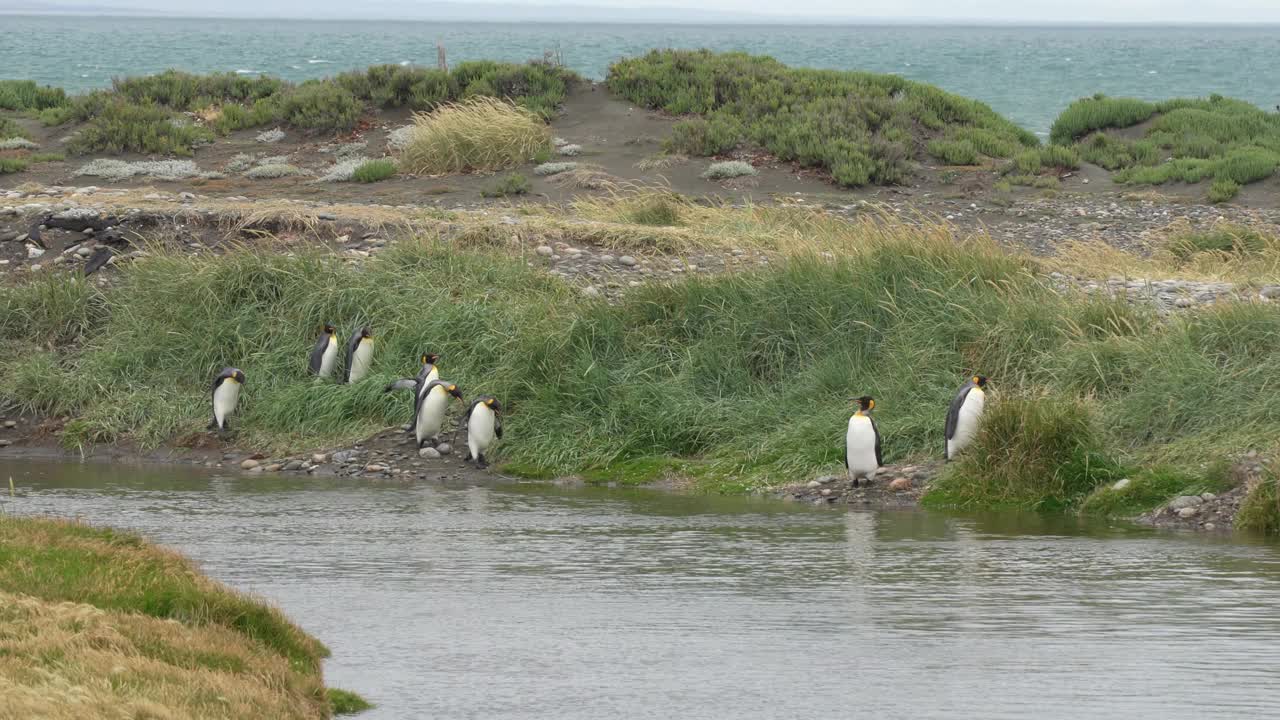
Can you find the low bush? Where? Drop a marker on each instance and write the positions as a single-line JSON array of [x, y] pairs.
[[863, 128], [125, 127], [728, 170], [271, 171], [479, 135], [10, 129], [1223, 190], [26, 95], [1096, 113], [954, 152], [374, 171], [109, 169], [321, 106], [513, 184], [554, 168]]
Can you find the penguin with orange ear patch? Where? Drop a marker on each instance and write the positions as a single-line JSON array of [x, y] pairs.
[[862, 453]]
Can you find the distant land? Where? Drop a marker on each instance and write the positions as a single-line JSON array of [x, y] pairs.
[[1177, 13]]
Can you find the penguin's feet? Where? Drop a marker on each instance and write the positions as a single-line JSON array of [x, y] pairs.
[[482, 463]]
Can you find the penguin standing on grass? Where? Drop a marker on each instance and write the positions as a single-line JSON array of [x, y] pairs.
[[324, 355], [429, 410], [484, 426], [862, 453], [359, 355], [225, 397], [964, 415]]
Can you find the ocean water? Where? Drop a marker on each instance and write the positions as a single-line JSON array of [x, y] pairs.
[[1027, 73]]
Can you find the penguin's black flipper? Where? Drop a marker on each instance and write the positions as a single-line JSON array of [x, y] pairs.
[[879, 452], [497, 425], [401, 384], [100, 257]]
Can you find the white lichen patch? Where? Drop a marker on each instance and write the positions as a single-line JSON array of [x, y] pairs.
[[109, 169]]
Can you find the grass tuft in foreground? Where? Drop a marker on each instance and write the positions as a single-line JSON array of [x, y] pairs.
[[1260, 511], [104, 623]]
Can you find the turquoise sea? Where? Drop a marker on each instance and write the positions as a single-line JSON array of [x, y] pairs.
[[1027, 73]]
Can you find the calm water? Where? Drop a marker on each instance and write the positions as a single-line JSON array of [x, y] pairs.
[[533, 602], [1029, 74]]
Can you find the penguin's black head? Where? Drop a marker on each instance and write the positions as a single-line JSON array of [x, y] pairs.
[[366, 332], [454, 391], [430, 358], [238, 375], [866, 403], [980, 380], [493, 404], [329, 329]]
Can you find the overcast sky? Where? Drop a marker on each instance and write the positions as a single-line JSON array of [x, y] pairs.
[[1077, 11]]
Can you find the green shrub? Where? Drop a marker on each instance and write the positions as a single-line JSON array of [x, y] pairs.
[[656, 209], [1223, 190], [374, 170], [513, 184], [399, 86], [1096, 113], [26, 95], [1027, 162], [728, 170], [1057, 156], [1036, 453], [954, 152], [10, 129], [46, 157], [125, 127], [316, 105], [185, 91], [861, 127], [1221, 238]]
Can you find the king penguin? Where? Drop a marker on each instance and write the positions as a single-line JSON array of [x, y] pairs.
[[964, 414], [325, 354], [428, 411], [225, 396], [484, 425], [359, 355], [418, 384], [862, 454]]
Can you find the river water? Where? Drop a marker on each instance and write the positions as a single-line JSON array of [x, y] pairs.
[[528, 601]]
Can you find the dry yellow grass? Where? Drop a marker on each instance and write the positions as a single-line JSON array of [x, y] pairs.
[[96, 623], [482, 134], [1247, 254], [72, 661]]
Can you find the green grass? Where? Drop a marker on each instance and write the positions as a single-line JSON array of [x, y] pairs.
[[1230, 142], [374, 171], [10, 129], [1221, 238], [26, 95], [740, 376], [345, 702], [1260, 511], [1041, 453], [120, 127], [1151, 488], [508, 185], [862, 128], [655, 210], [12, 165], [47, 157]]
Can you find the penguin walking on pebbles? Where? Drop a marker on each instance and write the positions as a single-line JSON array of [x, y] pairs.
[[862, 452], [324, 355], [964, 415], [359, 355], [429, 410], [484, 426], [225, 397], [430, 371]]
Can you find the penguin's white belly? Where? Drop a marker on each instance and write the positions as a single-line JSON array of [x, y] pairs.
[[860, 446], [225, 398], [967, 421], [361, 360], [329, 358], [431, 414], [480, 430]]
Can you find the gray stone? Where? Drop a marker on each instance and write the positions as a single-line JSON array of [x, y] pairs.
[[1184, 501], [319, 458], [34, 252], [627, 260], [1188, 512], [273, 467], [7, 235], [293, 465], [1183, 302], [5, 443], [375, 468], [444, 448], [814, 484], [1209, 526], [249, 464], [828, 479], [544, 250], [342, 457], [1122, 484], [429, 453], [10, 423], [1271, 292], [1207, 496], [84, 251], [591, 291]]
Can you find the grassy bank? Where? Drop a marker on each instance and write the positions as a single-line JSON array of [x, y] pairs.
[[737, 381], [1228, 142], [173, 112], [862, 128], [104, 624]]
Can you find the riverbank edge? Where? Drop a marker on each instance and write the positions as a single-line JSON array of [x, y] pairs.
[[110, 602], [897, 487]]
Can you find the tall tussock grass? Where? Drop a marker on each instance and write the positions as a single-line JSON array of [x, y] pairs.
[[743, 376], [478, 135]]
